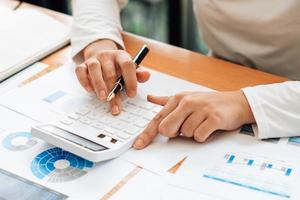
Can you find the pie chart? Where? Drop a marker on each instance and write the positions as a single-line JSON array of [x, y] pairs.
[[57, 165]]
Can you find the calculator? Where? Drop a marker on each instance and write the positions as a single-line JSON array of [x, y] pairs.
[[93, 133]]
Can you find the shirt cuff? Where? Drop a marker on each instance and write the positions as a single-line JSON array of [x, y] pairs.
[[261, 128], [86, 38]]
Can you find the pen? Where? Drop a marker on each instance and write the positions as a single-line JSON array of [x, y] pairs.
[[120, 82]]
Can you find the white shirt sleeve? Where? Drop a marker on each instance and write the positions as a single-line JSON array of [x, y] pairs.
[[94, 20], [276, 108]]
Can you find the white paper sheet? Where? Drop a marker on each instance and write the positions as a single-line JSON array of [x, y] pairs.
[[145, 185], [27, 35], [18, 78], [17, 153], [236, 166]]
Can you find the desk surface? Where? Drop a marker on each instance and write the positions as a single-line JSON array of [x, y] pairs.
[[182, 63]]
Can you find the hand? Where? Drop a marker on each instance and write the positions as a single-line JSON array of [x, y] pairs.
[[197, 115], [103, 64]]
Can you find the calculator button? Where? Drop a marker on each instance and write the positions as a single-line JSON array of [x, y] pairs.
[[119, 125], [138, 111], [156, 109], [74, 116], [110, 130], [149, 115], [147, 105], [114, 141], [128, 117], [86, 121], [66, 121], [97, 125], [123, 135], [128, 108], [135, 102], [94, 115], [141, 123], [83, 111], [101, 136], [131, 130], [106, 120]]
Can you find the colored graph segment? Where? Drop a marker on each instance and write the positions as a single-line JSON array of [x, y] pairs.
[[253, 172], [246, 186], [54, 96], [294, 141], [19, 141], [230, 158], [57, 165]]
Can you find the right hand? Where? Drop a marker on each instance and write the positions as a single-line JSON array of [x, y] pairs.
[[103, 64]]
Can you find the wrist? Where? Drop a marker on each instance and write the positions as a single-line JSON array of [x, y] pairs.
[[247, 114], [99, 45]]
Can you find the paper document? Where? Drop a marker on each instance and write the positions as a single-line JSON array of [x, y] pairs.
[[18, 78], [252, 170], [144, 185], [57, 174], [27, 35], [160, 156]]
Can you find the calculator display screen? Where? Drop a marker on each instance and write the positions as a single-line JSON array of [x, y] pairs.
[[73, 138]]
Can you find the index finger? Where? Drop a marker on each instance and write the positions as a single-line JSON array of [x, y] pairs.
[[149, 133]]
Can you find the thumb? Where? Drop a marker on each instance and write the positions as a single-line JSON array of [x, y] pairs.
[[162, 100], [142, 76]]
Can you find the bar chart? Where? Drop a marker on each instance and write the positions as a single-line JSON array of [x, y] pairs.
[[258, 174]]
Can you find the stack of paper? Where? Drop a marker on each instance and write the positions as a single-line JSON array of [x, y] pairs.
[[26, 36], [229, 166]]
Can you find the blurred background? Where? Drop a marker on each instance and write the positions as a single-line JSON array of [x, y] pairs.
[[170, 21]]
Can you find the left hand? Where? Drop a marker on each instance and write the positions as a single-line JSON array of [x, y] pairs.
[[197, 115]]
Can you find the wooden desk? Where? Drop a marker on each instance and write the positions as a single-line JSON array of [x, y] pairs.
[[182, 63]]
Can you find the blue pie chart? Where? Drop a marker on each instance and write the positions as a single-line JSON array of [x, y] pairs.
[[57, 165], [19, 141]]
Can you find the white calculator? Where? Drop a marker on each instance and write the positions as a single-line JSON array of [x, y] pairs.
[[93, 133]]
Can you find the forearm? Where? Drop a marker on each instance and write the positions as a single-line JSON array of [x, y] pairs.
[[95, 20]]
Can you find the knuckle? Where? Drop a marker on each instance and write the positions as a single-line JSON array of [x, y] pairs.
[[104, 55], [216, 117], [162, 130], [179, 96], [127, 64], [98, 85], [165, 130], [79, 69], [93, 64], [111, 76], [131, 86], [187, 101]]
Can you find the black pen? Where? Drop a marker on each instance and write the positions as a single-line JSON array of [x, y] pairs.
[[120, 82]]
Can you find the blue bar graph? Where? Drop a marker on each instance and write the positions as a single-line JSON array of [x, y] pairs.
[[246, 186], [250, 162], [288, 172], [269, 166], [231, 158]]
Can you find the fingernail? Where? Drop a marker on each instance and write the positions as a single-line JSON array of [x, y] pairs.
[[89, 88], [115, 110], [139, 143], [131, 93], [102, 95]]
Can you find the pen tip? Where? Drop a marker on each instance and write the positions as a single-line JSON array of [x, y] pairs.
[[110, 96]]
